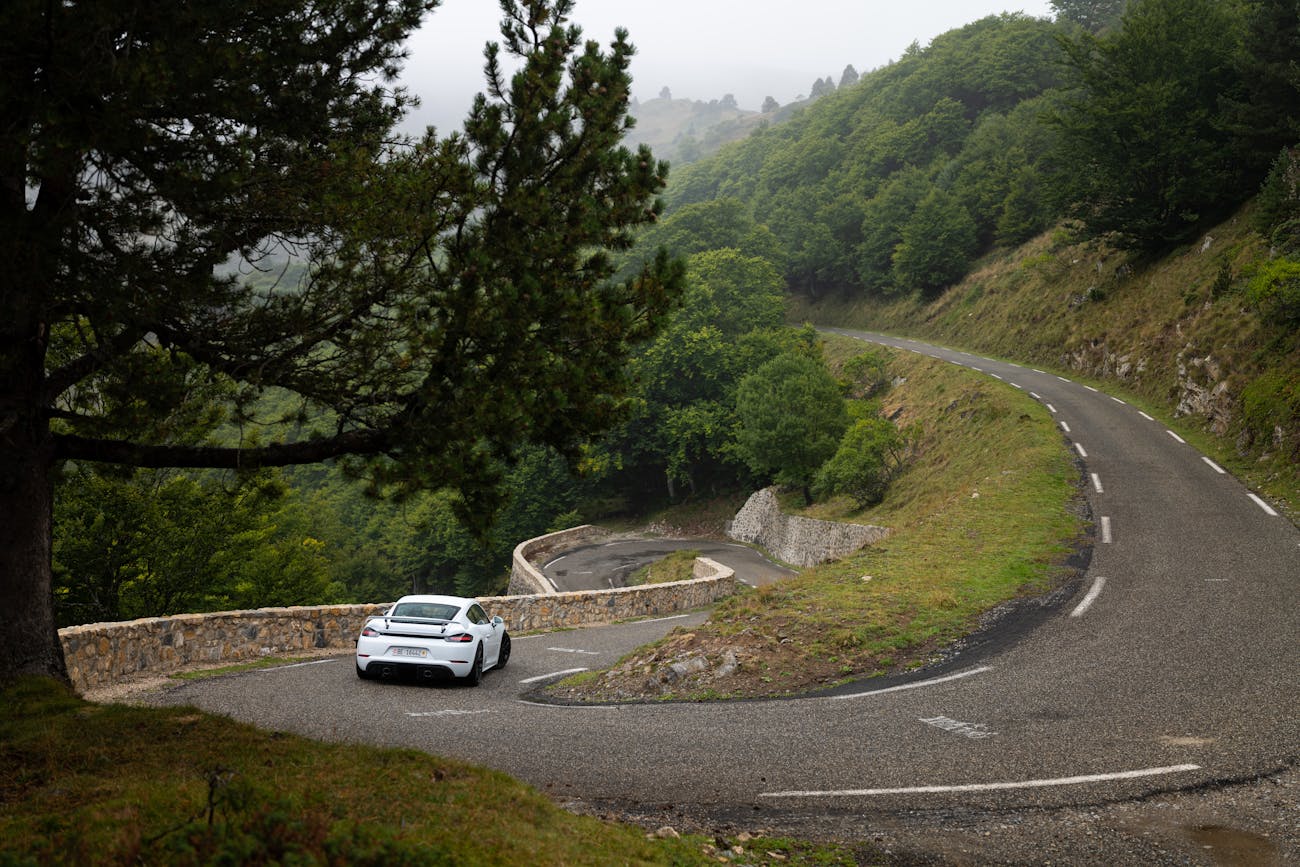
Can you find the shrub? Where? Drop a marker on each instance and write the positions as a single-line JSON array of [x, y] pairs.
[[1275, 291], [870, 456], [867, 374]]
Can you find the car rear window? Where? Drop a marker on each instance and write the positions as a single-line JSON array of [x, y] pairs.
[[427, 610]]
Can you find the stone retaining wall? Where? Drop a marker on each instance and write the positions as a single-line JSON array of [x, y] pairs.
[[796, 540], [526, 577], [100, 654]]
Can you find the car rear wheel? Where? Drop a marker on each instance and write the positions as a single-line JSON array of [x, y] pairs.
[[476, 670], [503, 655]]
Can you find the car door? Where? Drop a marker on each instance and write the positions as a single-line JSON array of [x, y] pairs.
[[489, 632]]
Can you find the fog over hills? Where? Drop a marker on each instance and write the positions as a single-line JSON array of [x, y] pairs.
[[700, 51]]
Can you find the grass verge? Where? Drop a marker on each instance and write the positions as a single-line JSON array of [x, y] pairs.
[[82, 783], [677, 566]]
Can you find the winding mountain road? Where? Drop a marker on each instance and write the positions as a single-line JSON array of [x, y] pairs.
[[610, 564], [1175, 666]]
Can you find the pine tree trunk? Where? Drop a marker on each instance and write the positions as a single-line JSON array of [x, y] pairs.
[[29, 639]]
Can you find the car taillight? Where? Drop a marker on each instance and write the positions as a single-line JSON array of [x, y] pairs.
[[461, 637], [369, 633]]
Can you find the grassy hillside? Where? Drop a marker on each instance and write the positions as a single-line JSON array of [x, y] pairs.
[[1176, 332]]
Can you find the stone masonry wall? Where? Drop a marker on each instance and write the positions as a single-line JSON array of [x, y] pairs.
[[99, 654], [526, 577], [796, 540]]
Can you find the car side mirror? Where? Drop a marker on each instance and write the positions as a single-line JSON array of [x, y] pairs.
[[497, 621]]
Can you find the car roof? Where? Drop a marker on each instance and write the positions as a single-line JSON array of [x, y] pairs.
[[458, 601]]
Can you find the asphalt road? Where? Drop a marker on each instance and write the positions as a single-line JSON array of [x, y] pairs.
[[1174, 667], [597, 567]]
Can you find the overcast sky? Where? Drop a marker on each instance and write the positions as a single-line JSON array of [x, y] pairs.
[[700, 49]]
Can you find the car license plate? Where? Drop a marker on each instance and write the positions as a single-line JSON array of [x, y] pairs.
[[409, 651]]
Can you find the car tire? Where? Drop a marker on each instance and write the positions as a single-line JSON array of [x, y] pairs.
[[476, 670], [363, 674], [503, 654]]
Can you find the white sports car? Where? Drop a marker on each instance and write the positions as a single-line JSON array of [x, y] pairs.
[[432, 637]]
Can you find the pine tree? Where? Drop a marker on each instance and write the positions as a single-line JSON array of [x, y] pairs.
[[456, 303]]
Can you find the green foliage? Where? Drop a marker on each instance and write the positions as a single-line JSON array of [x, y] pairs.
[[717, 224], [1144, 154], [683, 425], [1275, 291], [1094, 16], [791, 417], [1269, 403], [866, 374], [1266, 116], [936, 244], [1277, 208], [871, 454], [151, 543], [882, 227]]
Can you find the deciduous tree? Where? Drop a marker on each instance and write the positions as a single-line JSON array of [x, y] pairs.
[[1145, 153], [791, 419]]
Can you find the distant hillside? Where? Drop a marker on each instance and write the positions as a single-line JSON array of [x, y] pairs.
[[684, 130]]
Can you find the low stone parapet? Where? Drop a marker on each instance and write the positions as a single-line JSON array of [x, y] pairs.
[[525, 577], [101, 654]]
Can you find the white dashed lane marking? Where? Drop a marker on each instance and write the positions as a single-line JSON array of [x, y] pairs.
[[1263, 505], [1082, 608]]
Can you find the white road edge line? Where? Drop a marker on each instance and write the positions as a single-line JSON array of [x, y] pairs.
[[569, 706], [1096, 484], [553, 674], [1079, 449], [1065, 427], [1093, 390], [1263, 505], [1106, 537], [1176, 436], [1145, 416], [1082, 607], [920, 683], [297, 665], [661, 619], [1218, 469], [991, 787], [1050, 408]]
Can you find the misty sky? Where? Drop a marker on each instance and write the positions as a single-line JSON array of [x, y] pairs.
[[701, 49]]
